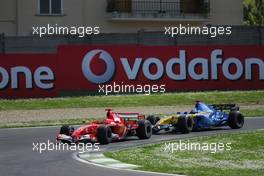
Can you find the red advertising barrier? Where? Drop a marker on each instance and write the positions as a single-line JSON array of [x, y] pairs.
[[164, 68]]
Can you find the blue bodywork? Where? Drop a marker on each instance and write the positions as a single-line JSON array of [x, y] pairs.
[[208, 116]]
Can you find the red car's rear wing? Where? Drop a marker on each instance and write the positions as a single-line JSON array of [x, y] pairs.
[[130, 116]]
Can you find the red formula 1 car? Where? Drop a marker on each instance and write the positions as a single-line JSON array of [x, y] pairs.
[[116, 126]]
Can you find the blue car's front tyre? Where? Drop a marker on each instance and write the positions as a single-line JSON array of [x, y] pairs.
[[236, 120], [153, 119], [185, 124]]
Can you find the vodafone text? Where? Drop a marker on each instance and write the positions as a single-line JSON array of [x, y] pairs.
[[43, 77], [210, 67]]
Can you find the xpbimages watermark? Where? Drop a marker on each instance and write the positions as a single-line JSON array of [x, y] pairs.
[[49, 146], [80, 31], [196, 146], [212, 31], [122, 88]]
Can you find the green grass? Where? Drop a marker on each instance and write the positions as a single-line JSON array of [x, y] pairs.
[[253, 112], [47, 123], [241, 97], [245, 157]]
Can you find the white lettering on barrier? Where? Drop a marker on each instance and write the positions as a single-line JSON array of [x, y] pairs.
[[254, 61], [239, 68], [41, 76], [182, 62], [44, 74], [192, 65], [14, 77], [5, 78], [185, 69], [214, 62], [147, 65], [131, 72]]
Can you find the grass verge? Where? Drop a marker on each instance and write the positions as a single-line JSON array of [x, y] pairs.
[[245, 157], [253, 112], [47, 123], [168, 99]]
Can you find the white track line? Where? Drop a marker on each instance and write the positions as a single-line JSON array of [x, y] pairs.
[[74, 155]]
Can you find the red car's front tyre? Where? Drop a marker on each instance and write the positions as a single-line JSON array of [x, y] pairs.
[[104, 134]]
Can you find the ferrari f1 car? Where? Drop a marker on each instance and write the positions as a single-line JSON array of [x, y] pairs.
[[201, 117], [116, 126]]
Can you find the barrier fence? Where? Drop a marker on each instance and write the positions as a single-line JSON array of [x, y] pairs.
[[2, 43], [106, 69], [241, 35]]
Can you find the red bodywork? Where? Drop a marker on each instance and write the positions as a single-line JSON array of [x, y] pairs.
[[121, 124]]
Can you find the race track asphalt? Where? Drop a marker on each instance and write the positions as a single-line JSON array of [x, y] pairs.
[[18, 159]]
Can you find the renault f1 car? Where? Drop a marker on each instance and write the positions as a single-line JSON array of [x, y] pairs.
[[201, 117], [116, 126]]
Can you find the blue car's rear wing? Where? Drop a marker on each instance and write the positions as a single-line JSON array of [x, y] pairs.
[[225, 107]]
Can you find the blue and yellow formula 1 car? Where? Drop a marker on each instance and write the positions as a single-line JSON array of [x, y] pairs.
[[201, 117]]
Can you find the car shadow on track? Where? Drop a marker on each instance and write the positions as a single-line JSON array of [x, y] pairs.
[[196, 131]]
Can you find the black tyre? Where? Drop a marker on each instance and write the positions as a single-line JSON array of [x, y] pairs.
[[236, 120], [104, 134], [67, 130], [144, 130], [185, 124], [153, 119]]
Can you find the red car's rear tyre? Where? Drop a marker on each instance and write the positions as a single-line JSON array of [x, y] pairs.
[[104, 134], [144, 130]]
